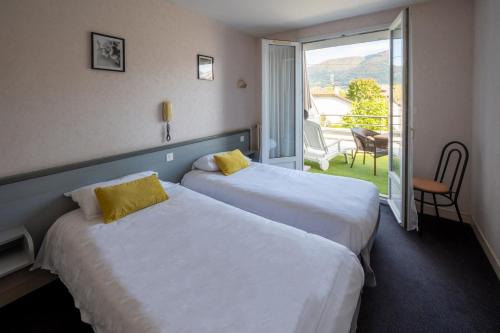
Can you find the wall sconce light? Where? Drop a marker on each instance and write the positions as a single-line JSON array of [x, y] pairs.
[[241, 83]]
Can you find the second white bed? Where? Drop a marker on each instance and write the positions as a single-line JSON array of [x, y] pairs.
[[341, 209]]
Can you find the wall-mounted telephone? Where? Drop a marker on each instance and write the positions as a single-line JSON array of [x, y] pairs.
[[167, 118]]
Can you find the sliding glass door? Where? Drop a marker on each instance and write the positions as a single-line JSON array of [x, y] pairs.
[[282, 112]]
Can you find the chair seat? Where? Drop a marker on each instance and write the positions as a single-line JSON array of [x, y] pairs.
[[381, 141], [332, 143], [428, 185]]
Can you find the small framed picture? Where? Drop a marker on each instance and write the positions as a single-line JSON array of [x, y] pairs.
[[205, 67], [108, 52]]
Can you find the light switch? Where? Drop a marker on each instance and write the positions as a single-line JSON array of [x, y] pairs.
[[242, 138], [170, 157]]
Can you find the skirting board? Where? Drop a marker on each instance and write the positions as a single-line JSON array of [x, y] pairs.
[[495, 263]]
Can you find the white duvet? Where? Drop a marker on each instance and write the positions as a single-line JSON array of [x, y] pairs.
[[341, 209], [194, 264]]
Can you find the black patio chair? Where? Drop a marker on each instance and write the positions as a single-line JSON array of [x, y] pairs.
[[369, 142]]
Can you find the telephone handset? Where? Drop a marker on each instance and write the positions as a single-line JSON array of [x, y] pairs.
[[167, 118]]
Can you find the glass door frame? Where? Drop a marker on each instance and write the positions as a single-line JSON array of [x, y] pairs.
[[401, 212], [298, 159]]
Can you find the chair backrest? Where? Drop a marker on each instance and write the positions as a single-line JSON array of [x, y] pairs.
[[313, 136], [452, 165], [360, 136]]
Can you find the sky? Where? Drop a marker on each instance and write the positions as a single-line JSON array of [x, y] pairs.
[[361, 49]]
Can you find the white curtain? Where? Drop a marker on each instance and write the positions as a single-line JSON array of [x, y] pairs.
[[308, 100], [412, 214], [281, 101]]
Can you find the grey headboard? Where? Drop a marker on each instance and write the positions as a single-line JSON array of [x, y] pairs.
[[36, 199]]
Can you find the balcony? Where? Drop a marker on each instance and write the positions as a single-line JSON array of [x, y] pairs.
[[335, 130]]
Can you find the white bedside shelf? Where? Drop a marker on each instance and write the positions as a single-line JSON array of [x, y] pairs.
[[16, 250]]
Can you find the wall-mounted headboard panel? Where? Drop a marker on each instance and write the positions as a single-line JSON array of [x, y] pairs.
[[36, 199]]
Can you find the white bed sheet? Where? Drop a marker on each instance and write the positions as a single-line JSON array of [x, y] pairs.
[[194, 264], [341, 209]]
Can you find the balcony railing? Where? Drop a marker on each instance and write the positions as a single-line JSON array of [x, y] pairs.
[[336, 121], [335, 128]]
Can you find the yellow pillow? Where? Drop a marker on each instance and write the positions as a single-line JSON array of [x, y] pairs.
[[231, 162], [120, 200]]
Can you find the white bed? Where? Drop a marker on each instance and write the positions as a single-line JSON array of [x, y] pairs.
[[194, 264], [341, 209]]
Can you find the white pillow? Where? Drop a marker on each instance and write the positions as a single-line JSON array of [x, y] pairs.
[[207, 162], [86, 199]]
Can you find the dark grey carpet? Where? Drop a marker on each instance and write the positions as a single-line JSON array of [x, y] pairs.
[[439, 283]]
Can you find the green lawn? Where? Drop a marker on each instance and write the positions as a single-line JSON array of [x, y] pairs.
[[338, 167]]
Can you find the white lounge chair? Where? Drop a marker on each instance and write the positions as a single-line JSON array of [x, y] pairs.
[[316, 148]]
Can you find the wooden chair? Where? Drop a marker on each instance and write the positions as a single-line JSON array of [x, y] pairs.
[[369, 142], [447, 180]]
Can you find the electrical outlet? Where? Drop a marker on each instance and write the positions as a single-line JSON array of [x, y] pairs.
[[170, 157], [242, 138]]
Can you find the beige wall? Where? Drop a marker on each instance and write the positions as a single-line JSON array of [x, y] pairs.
[[486, 125], [441, 42], [55, 110], [441, 33]]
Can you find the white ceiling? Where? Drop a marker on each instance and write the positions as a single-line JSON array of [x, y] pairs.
[[263, 17]]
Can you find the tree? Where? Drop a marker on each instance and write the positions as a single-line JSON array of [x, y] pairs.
[[367, 100]]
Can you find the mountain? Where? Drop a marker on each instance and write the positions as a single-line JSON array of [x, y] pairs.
[[373, 66]]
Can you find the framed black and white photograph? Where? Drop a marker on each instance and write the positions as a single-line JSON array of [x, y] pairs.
[[205, 67], [108, 52]]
